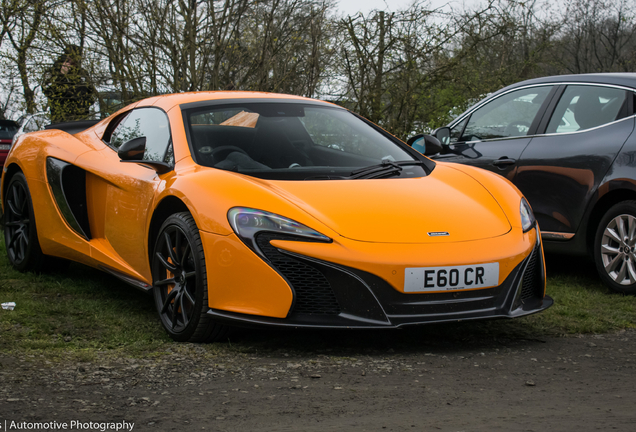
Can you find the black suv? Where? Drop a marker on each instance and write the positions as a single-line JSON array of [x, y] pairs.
[[568, 143]]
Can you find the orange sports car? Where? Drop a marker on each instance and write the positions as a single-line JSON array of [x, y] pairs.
[[240, 208]]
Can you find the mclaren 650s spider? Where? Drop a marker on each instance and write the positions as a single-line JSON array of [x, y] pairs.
[[248, 209]]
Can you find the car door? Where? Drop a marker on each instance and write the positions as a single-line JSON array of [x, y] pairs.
[[577, 141], [120, 195], [494, 135]]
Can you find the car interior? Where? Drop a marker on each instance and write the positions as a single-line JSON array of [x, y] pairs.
[[283, 143]]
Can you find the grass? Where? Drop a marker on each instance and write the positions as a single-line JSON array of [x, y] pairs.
[[79, 309], [82, 312], [582, 304]]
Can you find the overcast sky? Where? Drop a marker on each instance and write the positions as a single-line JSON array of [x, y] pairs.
[[351, 7]]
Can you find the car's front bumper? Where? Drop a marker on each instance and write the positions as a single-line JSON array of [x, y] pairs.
[[336, 296]]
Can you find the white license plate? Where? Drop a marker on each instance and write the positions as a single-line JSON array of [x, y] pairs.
[[5, 146], [451, 278]]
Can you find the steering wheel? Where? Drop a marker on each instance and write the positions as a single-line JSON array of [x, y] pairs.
[[225, 151]]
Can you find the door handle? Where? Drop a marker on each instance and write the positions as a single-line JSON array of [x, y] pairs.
[[503, 162]]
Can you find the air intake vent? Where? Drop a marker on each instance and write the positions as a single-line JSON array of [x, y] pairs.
[[531, 287], [314, 294]]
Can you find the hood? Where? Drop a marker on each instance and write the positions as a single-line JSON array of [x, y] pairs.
[[401, 210]]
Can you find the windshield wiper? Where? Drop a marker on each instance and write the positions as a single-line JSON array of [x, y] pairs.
[[386, 169], [326, 177]]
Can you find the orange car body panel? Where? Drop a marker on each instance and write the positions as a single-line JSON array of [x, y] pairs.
[[240, 281], [121, 199], [400, 210]]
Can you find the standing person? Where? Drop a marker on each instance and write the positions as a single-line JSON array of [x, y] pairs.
[[68, 88]]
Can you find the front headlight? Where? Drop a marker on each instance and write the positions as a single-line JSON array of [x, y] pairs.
[[248, 222], [527, 217]]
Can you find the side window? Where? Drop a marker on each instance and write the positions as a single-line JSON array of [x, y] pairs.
[[509, 115], [151, 123], [7, 130], [585, 106], [456, 131]]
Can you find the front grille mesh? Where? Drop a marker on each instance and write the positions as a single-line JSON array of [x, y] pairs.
[[531, 286], [314, 294]]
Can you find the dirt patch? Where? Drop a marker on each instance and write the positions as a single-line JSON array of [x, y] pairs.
[[319, 381]]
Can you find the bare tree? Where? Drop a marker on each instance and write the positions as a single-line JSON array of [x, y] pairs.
[[21, 27], [283, 46], [394, 64], [597, 36]]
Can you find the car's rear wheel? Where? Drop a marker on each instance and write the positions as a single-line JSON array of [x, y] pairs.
[[180, 282], [615, 248], [20, 232]]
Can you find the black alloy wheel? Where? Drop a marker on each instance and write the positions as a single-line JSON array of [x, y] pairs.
[[615, 248], [180, 282], [20, 233]]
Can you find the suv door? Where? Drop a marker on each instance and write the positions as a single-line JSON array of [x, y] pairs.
[[577, 143], [494, 135]]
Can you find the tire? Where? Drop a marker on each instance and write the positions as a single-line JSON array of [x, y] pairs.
[[180, 282], [20, 231], [615, 248]]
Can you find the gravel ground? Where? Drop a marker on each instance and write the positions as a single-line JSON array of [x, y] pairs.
[[402, 380]]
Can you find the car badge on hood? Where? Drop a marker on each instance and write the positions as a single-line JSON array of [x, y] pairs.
[[438, 233]]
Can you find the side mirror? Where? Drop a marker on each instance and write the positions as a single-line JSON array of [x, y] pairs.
[[426, 144], [132, 150], [443, 135]]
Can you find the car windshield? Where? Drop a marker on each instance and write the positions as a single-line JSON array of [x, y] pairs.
[[295, 141]]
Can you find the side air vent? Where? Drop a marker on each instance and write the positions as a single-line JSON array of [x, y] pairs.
[[68, 184], [313, 292]]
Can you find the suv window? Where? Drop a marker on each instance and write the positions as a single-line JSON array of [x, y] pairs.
[[509, 115], [456, 131], [585, 106], [151, 123], [8, 129]]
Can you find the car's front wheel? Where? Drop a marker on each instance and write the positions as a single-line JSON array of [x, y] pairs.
[[615, 248], [180, 282], [20, 232]]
